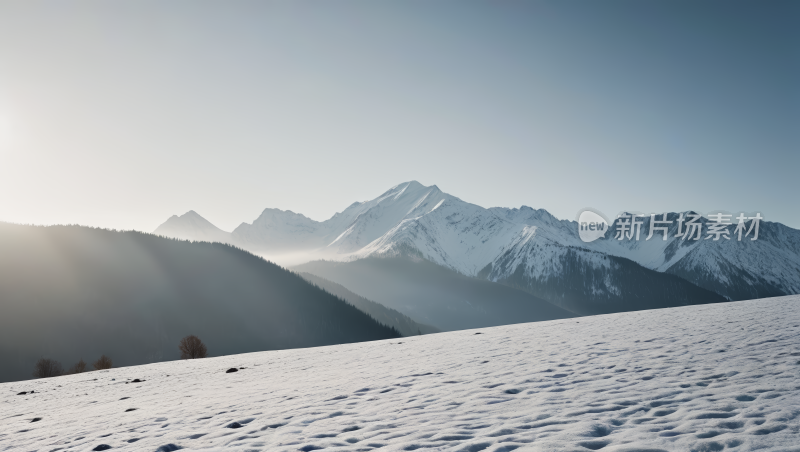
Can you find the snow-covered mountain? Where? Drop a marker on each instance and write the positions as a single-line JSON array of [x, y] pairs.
[[347, 232], [276, 231], [746, 269], [191, 226], [279, 231], [586, 281], [526, 247], [700, 378], [750, 269]]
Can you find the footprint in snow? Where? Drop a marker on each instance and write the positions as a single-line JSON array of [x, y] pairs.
[[594, 445], [768, 430], [731, 425], [600, 431], [271, 426]]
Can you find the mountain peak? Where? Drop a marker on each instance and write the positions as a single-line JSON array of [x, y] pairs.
[[273, 213], [408, 184], [411, 185], [192, 226]]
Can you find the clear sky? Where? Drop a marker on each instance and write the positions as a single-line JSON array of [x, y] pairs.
[[120, 114]]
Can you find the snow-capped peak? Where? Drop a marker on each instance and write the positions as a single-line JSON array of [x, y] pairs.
[[468, 238], [192, 226]]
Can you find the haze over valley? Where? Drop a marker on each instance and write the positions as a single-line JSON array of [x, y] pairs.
[[526, 250]]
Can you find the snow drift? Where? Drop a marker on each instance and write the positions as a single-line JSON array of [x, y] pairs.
[[699, 378]]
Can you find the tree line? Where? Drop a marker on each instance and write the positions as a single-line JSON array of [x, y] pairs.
[[191, 347]]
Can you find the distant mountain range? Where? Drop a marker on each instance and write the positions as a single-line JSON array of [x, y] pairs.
[[414, 260], [71, 292], [527, 249]]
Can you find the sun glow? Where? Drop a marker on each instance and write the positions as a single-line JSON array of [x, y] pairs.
[[5, 131]]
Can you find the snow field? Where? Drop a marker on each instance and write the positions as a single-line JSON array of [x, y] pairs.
[[700, 378]]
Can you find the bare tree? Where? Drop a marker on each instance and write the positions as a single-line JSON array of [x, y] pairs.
[[78, 368], [103, 363], [46, 368], [192, 347]]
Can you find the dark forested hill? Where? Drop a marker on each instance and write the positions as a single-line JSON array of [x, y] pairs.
[[387, 316], [71, 292], [436, 295]]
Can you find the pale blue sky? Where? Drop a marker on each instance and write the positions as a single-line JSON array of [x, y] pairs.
[[120, 114]]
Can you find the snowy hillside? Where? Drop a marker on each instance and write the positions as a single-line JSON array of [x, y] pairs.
[[701, 378]]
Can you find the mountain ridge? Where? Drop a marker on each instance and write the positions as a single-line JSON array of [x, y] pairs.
[[469, 238], [72, 292], [387, 316]]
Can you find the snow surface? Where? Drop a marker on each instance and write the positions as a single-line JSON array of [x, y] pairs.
[[702, 378]]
